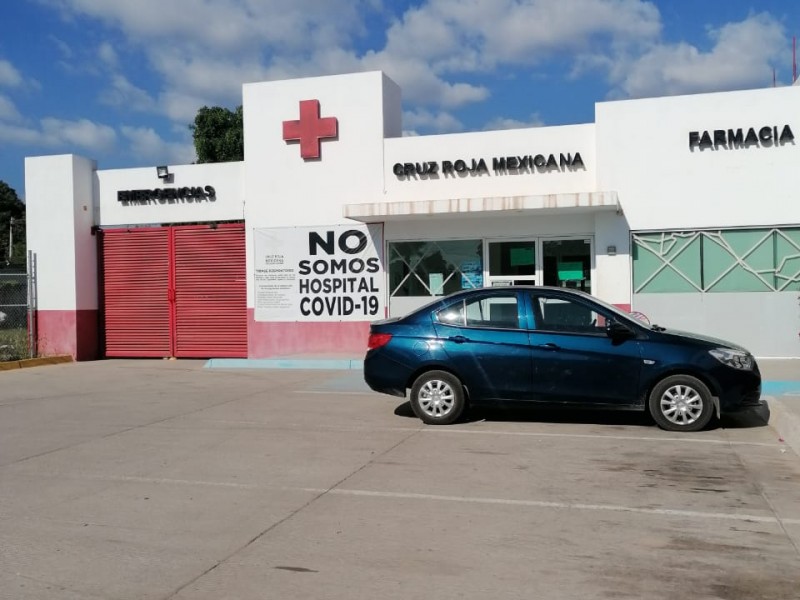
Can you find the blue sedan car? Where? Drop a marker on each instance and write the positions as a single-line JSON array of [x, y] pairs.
[[554, 347]]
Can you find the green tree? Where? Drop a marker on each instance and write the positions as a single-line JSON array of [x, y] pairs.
[[12, 227], [218, 134]]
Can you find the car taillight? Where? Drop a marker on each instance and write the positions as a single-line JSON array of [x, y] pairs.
[[376, 340]]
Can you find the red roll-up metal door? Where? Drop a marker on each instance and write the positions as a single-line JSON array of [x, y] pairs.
[[210, 291], [175, 291], [136, 283]]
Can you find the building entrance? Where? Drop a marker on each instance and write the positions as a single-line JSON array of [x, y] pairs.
[[558, 262], [174, 291]]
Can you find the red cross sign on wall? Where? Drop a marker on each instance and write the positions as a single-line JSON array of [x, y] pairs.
[[309, 130]]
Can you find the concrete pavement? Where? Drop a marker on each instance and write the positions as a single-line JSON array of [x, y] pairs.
[[163, 480], [780, 387]]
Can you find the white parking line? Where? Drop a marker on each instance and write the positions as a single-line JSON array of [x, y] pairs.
[[336, 393], [637, 438], [575, 506], [694, 440], [568, 506]]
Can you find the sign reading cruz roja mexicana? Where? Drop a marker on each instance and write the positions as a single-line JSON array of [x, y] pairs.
[[529, 163], [768, 135]]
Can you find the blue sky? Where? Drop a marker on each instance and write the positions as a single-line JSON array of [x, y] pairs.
[[120, 81]]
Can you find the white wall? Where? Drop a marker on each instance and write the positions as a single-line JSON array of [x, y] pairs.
[[766, 323], [58, 195], [281, 188], [518, 226], [488, 145], [644, 154], [225, 178]]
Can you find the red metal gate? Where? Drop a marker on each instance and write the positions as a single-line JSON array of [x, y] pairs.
[[175, 291]]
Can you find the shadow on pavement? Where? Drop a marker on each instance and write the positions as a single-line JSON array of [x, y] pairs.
[[758, 417]]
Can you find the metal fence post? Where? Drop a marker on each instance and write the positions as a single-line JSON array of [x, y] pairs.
[[33, 351]]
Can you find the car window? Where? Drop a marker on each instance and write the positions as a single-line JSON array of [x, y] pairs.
[[567, 315], [452, 315], [499, 311]]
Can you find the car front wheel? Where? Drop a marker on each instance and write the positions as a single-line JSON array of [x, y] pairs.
[[681, 403], [437, 397]]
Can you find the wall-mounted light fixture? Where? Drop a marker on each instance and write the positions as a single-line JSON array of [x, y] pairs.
[[611, 250], [162, 172]]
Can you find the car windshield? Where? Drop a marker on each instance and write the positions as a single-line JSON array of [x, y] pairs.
[[618, 312]]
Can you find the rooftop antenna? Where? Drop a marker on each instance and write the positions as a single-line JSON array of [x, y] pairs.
[[794, 58], [774, 83]]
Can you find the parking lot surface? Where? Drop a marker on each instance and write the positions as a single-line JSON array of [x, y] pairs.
[[161, 479]]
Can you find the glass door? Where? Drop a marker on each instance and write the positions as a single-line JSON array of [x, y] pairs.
[[557, 262], [512, 262], [567, 263]]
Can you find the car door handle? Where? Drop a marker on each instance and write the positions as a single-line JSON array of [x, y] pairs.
[[548, 346], [458, 339]]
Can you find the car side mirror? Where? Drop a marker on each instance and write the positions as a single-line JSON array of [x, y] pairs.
[[617, 330]]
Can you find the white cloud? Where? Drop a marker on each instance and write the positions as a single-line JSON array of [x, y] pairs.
[[428, 50], [107, 54], [436, 51], [454, 35], [9, 76], [59, 133], [123, 93], [82, 133], [742, 56], [16, 134], [229, 25], [145, 143], [439, 122], [8, 111], [421, 86], [446, 39], [181, 107], [535, 120]]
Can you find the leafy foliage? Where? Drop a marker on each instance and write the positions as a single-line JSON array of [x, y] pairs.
[[11, 207], [218, 134]]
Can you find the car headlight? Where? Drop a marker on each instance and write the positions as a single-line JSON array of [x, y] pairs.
[[733, 358]]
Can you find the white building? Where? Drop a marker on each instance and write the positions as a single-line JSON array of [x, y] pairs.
[[682, 208]]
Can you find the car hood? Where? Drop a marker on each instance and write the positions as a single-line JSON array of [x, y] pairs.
[[701, 340]]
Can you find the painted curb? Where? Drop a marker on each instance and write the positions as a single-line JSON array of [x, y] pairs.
[[779, 388], [785, 423], [12, 365], [285, 363]]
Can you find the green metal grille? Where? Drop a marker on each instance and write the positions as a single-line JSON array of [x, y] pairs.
[[733, 260]]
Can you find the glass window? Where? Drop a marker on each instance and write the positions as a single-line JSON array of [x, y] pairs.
[[499, 312], [431, 268], [566, 315], [452, 315], [667, 262], [512, 258], [493, 311], [567, 263], [733, 260]]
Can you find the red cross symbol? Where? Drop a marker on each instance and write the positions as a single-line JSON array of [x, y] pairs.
[[310, 129]]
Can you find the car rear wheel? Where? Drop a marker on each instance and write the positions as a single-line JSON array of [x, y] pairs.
[[437, 397], [681, 403]]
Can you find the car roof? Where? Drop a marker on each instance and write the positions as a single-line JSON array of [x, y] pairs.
[[444, 300], [506, 288]]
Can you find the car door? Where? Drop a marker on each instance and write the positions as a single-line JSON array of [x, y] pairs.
[[574, 359], [485, 345]]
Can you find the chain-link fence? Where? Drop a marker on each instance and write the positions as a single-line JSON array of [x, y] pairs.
[[14, 316]]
